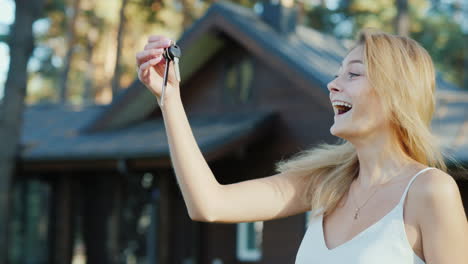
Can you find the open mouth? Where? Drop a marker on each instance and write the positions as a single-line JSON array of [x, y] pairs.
[[342, 107]]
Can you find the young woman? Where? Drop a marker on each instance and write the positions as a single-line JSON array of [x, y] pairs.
[[382, 196]]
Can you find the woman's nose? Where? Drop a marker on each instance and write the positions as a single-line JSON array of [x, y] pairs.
[[333, 87]]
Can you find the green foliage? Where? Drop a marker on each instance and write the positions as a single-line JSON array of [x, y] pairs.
[[246, 3], [321, 18], [95, 44], [443, 39], [432, 25]]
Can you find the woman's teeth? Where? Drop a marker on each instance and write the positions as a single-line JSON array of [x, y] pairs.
[[342, 107]]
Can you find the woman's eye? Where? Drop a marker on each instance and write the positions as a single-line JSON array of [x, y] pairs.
[[351, 75]]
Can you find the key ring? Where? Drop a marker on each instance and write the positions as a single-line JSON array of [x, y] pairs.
[[170, 54]]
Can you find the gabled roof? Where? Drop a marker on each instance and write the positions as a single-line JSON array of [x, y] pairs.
[[51, 133], [305, 57]]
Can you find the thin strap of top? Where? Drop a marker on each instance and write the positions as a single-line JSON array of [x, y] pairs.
[[411, 181]]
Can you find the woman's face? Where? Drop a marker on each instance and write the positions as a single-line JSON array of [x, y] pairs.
[[358, 112]]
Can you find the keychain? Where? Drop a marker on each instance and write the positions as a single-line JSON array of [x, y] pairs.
[[172, 53]]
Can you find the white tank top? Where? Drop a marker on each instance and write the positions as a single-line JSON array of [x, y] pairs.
[[384, 242]]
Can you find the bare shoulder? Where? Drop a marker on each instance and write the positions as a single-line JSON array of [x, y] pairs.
[[435, 189], [435, 186], [440, 217], [437, 201]]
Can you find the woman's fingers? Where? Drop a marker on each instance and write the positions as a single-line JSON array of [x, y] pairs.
[[151, 56], [143, 69], [150, 63], [153, 38], [158, 44], [145, 55]]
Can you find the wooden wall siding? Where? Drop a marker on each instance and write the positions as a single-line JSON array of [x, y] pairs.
[[305, 121], [100, 228], [206, 91], [185, 238], [281, 239], [62, 220], [219, 241], [165, 221]]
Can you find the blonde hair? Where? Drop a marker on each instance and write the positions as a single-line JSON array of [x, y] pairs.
[[407, 92]]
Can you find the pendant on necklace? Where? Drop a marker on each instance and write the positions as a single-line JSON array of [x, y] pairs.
[[356, 214]]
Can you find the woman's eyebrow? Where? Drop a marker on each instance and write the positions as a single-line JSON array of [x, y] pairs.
[[353, 61]]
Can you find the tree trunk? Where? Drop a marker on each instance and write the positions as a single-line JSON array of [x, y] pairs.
[[402, 22], [116, 76], [71, 39], [21, 44], [88, 92]]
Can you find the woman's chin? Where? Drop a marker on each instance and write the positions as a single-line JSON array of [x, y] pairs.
[[334, 130], [338, 132]]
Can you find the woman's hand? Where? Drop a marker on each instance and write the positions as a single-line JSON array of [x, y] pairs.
[[151, 65]]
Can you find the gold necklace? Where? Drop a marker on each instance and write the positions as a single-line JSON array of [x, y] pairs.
[[356, 213]]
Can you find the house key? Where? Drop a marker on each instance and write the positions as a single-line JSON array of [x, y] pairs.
[[173, 54]]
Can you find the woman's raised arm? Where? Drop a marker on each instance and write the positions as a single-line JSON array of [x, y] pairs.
[[206, 200]]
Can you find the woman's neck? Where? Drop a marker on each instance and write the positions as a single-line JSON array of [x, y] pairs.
[[381, 160]]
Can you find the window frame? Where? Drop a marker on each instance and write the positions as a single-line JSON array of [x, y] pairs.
[[243, 252]]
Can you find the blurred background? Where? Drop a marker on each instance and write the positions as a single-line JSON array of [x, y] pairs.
[[84, 170]]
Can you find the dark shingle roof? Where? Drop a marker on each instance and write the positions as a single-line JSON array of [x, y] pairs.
[[51, 133]]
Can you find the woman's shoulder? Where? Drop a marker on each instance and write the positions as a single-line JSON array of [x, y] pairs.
[[440, 215], [433, 184], [434, 193]]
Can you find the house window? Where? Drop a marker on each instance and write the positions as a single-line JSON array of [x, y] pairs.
[[249, 241], [238, 80]]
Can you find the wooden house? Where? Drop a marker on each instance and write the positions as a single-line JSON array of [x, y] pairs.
[[254, 88]]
